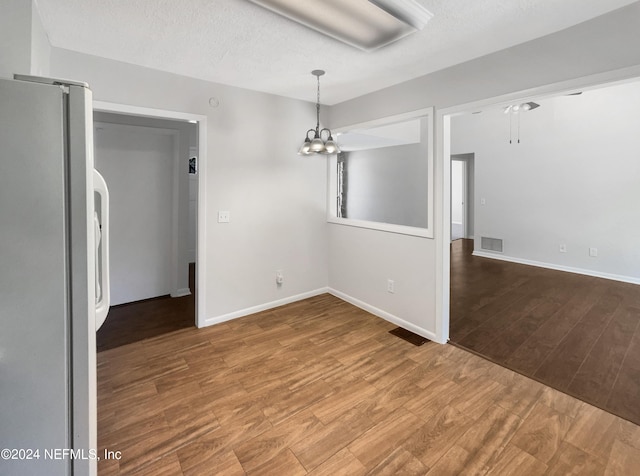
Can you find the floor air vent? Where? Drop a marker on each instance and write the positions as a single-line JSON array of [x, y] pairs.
[[491, 244]]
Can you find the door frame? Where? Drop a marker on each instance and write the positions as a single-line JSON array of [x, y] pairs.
[[201, 249]]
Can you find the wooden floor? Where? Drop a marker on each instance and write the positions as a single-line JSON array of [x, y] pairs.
[[135, 321], [320, 387], [578, 334]]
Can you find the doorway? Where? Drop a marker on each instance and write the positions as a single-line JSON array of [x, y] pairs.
[[534, 308], [461, 196], [146, 162], [178, 303]]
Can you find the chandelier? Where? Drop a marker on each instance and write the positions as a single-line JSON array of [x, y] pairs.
[[318, 145]]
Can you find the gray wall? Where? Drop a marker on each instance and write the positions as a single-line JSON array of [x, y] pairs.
[[387, 185], [186, 138], [277, 200], [138, 165], [573, 179], [256, 186], [40, 46], [15, 37]]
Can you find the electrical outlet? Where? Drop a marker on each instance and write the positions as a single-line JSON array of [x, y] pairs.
[[224, 217], [279, 277], [593, 252], [390, 286], [563, 248]]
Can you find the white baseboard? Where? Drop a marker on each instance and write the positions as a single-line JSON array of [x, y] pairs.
[[345, 297], [263, 307], [558, 267], [385, 315], [181, 292]]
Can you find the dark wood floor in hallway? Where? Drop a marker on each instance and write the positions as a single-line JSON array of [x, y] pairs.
[[575, 333], [136, 321]]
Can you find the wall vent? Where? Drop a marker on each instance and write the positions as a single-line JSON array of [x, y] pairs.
[[491, 244]]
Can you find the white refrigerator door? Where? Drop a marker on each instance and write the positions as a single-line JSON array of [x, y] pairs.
[[34, 285], [47, 299]]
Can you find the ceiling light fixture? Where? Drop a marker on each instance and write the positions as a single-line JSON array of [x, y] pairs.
[[512, 109], [516, 108], [364, 24], [317, 145]]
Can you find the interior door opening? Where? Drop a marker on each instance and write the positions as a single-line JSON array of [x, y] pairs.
[[461, 196], [150, 164]]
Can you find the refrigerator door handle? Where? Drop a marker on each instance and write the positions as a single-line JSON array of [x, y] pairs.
[[102, 274]]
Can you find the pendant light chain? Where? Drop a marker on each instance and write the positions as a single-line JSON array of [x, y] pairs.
[[318, 109]]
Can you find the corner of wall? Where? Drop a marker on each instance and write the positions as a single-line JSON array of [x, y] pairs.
[[40, 44]]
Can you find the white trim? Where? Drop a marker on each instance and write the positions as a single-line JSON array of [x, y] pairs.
[[181, 292], [558, 267], [388, 227], [386, 316], [443, 149], [263, 307], [443, 239], [202, 196], [201, 225], [175, 215], [118, 126], [401, 229], [383, 121], [145, 111]]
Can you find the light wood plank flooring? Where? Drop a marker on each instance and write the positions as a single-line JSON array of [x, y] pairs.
[[320, 387]]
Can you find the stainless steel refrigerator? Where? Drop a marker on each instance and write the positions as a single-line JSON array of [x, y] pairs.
[[54, 287]]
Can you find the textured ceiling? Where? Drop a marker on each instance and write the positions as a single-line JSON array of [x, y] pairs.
[[239, 43]]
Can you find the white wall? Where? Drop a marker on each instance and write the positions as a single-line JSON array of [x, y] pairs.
[[457, 191], [601, 45], [193, 218], [24, 46], [276, 199], [256, 186], [138, 164], [181, 226], [573, 179], [15, 37]]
